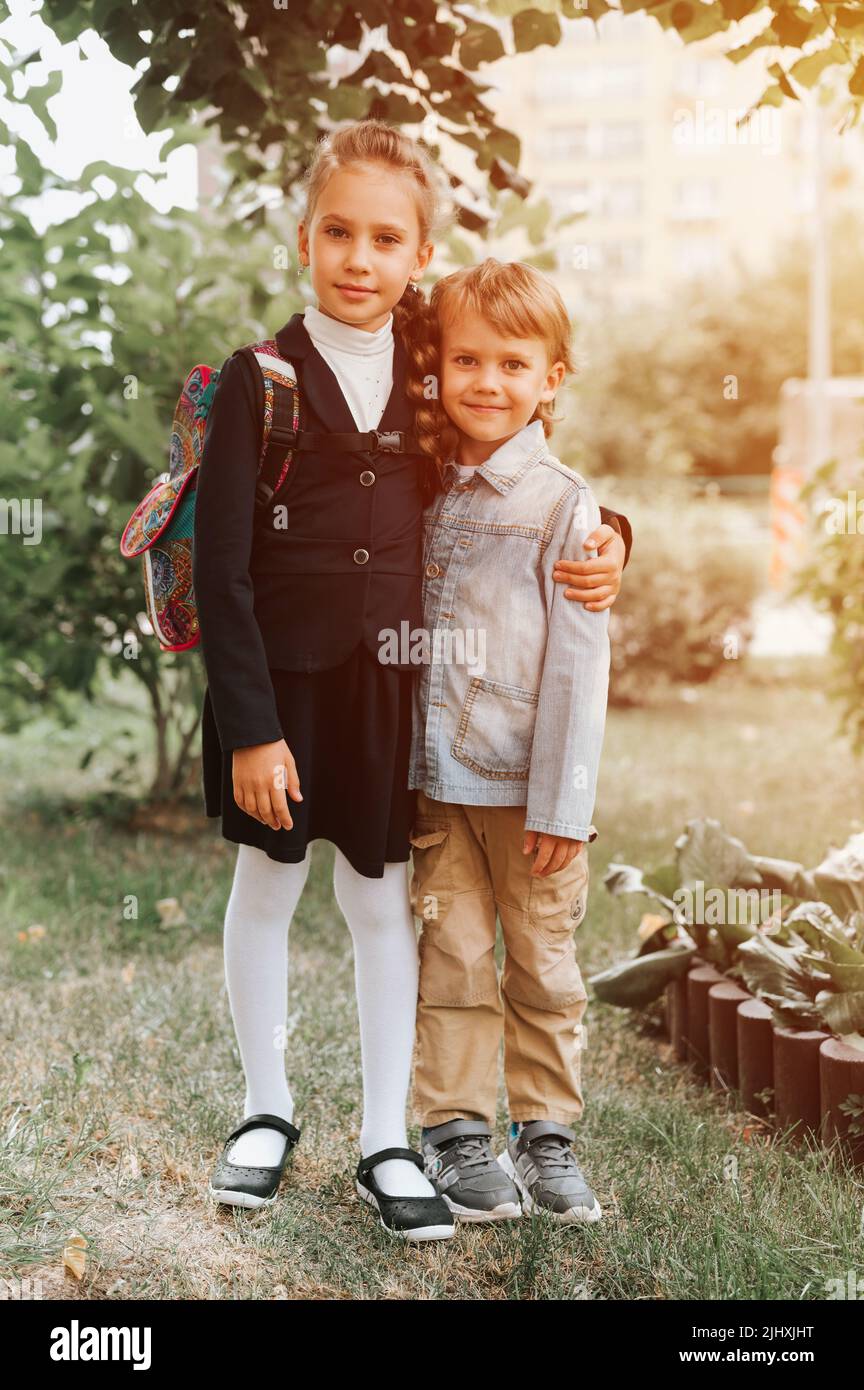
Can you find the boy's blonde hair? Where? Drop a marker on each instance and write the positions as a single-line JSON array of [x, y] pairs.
[[375, 142], [519, 302]]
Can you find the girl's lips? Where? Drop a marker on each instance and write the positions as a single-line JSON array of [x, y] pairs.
[[353, 291], [486, 409]]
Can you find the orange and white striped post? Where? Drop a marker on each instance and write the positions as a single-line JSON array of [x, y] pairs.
[[788, 522]]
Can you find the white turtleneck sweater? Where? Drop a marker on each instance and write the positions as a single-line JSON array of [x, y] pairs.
[[361, 361]]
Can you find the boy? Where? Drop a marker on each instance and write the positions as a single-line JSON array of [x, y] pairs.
[[505, 757]]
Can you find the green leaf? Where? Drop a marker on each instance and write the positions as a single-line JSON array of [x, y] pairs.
[[631, 984], [706, 854], [626, 878], [809, 69], [480, 44], [28, 168], [502, 175], [37, 99], [531, 28], [766, 38], [345, 102], [397, 109], [783, 82], [839, 878], [843, 1013], [775, 971], [790, 28], [737, 9]]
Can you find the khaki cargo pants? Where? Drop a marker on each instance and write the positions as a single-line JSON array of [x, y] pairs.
[[469, 869]]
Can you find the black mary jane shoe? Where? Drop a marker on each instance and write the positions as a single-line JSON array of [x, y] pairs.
[[411, 1218], [239, 1186]]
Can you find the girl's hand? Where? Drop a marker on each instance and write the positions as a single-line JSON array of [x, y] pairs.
[[554, 852], [262, 775], [596, 583]]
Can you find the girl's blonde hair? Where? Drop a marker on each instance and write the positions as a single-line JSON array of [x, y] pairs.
[[519, 302], [376, 142]]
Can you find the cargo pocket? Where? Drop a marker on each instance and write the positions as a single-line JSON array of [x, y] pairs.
[[431, 886], [557, 903], [543, 970]]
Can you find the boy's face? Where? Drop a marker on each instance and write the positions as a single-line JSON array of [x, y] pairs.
[[490, 385]]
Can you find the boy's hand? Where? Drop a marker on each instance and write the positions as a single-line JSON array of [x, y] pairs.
[[262, 774], [596, 583], [554, 852]]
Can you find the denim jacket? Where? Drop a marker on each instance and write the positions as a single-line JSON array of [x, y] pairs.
[[510, 700]]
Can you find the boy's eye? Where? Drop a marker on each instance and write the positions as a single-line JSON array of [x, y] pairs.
[[464, 358]]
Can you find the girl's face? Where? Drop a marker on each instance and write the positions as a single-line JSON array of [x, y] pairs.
[[491, 385], [363, 245]]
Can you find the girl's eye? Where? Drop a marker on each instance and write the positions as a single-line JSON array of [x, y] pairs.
[[514, 362], [463, 358], [385, 236]]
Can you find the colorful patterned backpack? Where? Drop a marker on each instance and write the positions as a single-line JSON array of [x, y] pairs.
[[161, 528]]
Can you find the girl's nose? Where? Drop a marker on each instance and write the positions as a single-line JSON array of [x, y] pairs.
[[359, 258]]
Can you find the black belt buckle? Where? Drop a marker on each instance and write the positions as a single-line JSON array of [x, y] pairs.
[[390, 441]]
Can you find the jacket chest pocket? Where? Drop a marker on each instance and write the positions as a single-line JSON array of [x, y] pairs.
[[496, 730]]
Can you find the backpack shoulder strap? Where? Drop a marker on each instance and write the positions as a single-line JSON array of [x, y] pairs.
[[278, 397]]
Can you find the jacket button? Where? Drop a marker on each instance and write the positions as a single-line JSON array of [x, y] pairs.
[[367, 477], [432, 570], [361, 556]]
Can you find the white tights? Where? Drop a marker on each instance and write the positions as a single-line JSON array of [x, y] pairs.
[[264, 896]]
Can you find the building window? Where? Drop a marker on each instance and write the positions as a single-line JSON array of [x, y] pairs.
[[619, 257], [613, 26], [589, 81], [700, 77], [697, 256], [592, 140], [597, 197], [696, 198]]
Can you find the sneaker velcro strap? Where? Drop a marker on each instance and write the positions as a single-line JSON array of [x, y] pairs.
[[367, 1164], [536, 1128], [451, 1129], [271, 1122]]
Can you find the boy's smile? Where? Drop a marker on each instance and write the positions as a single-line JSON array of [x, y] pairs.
[[491, 384]]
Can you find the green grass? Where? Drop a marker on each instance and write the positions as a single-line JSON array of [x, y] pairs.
[[120, 1076]]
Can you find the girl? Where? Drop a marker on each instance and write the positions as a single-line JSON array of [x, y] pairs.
[[297, 700]]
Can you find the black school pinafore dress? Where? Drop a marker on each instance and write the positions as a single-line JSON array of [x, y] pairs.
[[348, 725]]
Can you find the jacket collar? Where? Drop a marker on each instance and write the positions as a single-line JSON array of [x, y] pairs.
[[512, 459], [320, 385]]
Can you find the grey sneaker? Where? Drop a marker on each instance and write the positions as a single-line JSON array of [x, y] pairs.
[[543, 1166], [463, 1167]]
